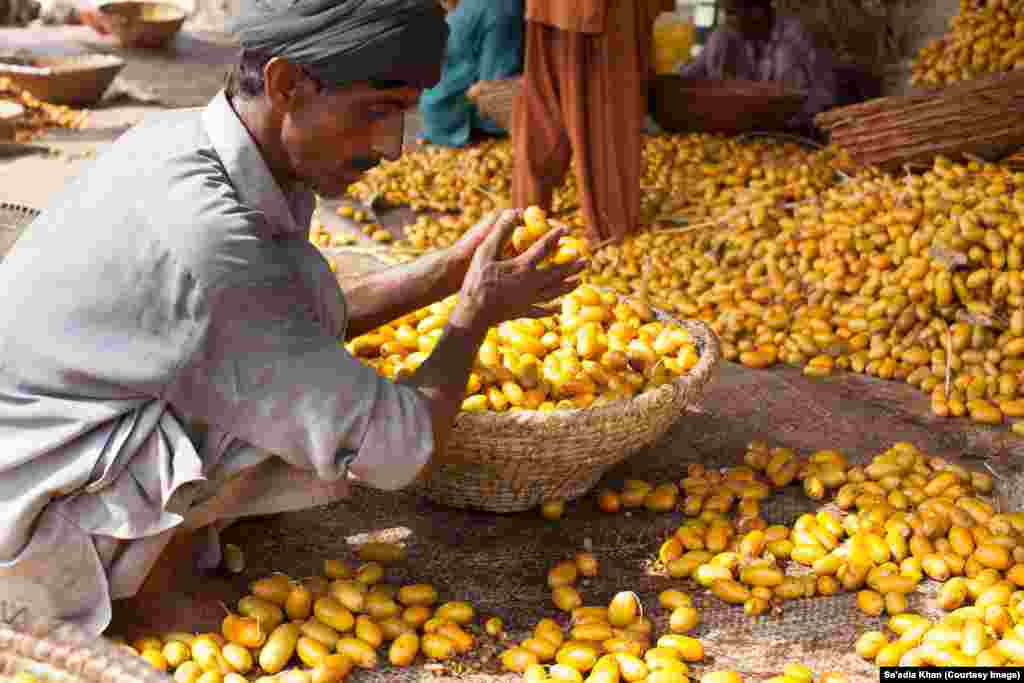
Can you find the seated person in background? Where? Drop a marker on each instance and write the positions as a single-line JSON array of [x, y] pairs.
[[485, 43], [754, 44]]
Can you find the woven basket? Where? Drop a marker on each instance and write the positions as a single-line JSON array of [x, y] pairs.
[[510, 462], [143, 24], [976, 118], [14, 218], [63, 653], [515, 461], [727, 107], [495, 99], [74, 80]]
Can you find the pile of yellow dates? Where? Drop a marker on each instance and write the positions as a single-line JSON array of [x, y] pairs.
[[598, 349], [609, 644], [917, 278], [987, 36], [443, 179], [716, 173], [612, 644], [903, 518], [320, 629], [914, 279]]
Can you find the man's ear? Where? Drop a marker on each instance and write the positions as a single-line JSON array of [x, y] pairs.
[[284, 83]]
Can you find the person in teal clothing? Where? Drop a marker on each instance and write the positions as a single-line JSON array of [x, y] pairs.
[[485, 43]]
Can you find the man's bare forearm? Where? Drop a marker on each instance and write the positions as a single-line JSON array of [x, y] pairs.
[[442, 379], [378, 298]]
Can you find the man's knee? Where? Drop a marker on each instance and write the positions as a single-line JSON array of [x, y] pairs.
[[331, 492]]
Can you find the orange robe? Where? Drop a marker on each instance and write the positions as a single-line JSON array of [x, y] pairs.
[[584, 94]]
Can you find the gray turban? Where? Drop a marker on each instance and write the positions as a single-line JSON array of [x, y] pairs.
[[348, 41]]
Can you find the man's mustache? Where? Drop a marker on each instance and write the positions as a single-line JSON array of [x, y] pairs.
[[364, 164]]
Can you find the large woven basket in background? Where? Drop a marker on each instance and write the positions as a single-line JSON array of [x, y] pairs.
[[494, 99], [144, 24], [976, 118], [63, 653], [77, 80], [728, 107], [514, 461]]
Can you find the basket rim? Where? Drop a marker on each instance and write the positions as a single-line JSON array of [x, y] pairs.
[[65, 65], [109, 10], [730, 87]]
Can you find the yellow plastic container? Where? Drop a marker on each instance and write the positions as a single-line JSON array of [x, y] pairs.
[[674, 37]]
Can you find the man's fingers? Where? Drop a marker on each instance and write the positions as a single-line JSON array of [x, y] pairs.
[[561, 289], [563, 271], [485, 224], [538, 312], [503, 228], [544, 247], [571, 280]]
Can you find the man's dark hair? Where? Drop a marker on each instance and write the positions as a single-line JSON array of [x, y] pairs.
[[245, 80]]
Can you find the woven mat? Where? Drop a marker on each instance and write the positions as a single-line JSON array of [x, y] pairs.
[[499, 563]]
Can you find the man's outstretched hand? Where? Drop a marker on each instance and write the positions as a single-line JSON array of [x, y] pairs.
[[496, 290], [460, 254]]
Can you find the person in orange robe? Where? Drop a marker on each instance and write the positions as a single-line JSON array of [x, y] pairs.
[[584, 95]]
